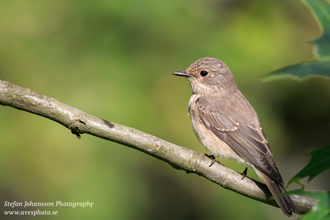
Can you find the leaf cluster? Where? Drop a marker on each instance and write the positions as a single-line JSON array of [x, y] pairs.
[[320, 158]]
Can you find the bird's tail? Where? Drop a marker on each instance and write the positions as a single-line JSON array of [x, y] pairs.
[[284, 201]]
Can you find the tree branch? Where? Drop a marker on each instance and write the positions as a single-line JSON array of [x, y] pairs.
[[179, 157]]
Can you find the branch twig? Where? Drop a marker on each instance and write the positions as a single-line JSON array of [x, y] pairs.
[[179, 157]]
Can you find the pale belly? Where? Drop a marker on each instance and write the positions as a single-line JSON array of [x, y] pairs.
[[210, 141]]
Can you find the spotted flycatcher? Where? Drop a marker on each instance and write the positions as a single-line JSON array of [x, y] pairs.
[[228, 126]]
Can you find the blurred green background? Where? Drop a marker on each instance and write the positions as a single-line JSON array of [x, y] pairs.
[[114, 59]]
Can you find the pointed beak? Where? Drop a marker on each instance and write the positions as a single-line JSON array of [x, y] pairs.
[[182, 73]]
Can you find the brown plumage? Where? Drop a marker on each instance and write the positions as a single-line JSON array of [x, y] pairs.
[[228, 126]]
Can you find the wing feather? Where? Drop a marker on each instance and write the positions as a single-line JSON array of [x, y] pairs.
[[242, 133]]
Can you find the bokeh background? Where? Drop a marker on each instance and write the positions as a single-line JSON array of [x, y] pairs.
[[114, 59]]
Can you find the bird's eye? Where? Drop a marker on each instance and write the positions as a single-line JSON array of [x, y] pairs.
[[204, 73]]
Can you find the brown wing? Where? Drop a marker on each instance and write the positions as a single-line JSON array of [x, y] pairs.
[[234, 121]]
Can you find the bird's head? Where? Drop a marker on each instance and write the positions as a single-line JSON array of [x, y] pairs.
[[208, 75]]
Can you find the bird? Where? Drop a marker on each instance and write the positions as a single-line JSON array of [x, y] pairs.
[[228, 126]]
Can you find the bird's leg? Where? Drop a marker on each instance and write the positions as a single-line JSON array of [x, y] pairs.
[[212, 158], [244, 173]]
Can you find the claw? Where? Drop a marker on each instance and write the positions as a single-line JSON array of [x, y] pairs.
[[244, 173], [212, 158]]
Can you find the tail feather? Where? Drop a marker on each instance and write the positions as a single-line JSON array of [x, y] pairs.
[[284, 201]]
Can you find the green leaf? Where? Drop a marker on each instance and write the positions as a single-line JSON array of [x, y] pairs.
[[321, 211], [316, 68], [321, 66], [319, 162], [321, 12]]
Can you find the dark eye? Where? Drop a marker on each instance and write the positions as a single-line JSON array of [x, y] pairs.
[[204, 73]]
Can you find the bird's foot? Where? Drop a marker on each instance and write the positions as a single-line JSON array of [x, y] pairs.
[[212, 158], [244, 173]]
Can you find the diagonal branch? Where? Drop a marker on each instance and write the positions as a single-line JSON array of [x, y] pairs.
[[179, 157]]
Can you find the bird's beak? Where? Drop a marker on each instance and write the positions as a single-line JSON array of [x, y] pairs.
[[182, 73]]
